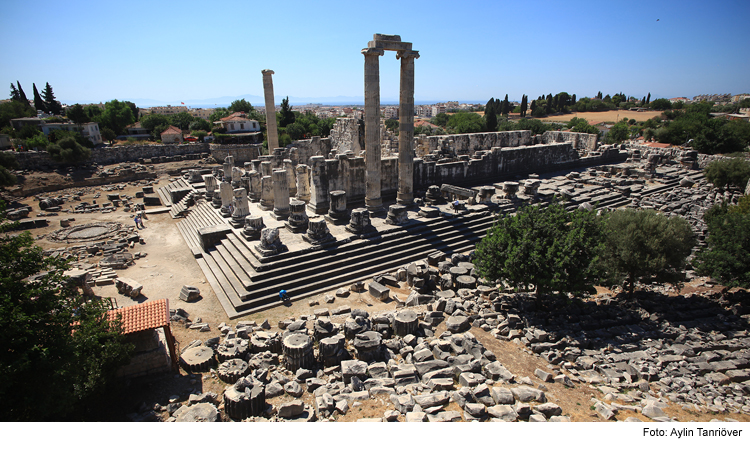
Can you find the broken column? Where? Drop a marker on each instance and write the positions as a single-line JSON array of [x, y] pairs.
[[210, 182], [373, 200], [318, 203], [270, 244], [241, 208], [360, 222], [236, 177], [266, 168], [509, 189], [397, 215], [297, 222], [227, 167], [272, 132], [280, 195], [254, 188], [337, 213], [303, 183], [225, 190], [405, 195], [266, 193], [433, 196], [253, 226], [485, 194], [291, 177], [317, 232], [530, 187], [298, 352]]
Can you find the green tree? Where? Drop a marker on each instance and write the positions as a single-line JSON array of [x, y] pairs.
[[134, 109], [440, 119], [727, 256], [15, 109], [116, 116], [68, 150], [643, 245], [490, 116], [39, 104], [618, 133], [524, 105], [77, 114], [465, 122], [505, 106], [661, 104], [38, 141], [241, 106], [295, 131], [53, 105], [181, 120], [22, 94], [734, 171], [108, 135], [200, 134], [14, 94], [581, 125], [286, 116], [391, 124], [51, 337], [200, 124], [7, 163], [549, 248], [151, 121], [218, 114]]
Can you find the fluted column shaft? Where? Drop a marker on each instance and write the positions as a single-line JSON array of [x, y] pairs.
[[271, 130], [405, 195], [373, 199]]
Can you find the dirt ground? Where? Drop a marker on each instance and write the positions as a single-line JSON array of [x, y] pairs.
[[168, 265]]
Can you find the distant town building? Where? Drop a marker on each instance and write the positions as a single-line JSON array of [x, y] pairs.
[[171, 135], [164, 110], [88, 130], [239, 123], [201, 113], [136, 131]]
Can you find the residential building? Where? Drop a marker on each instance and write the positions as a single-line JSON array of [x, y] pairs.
[[20, 122], [171, 135], [165, 110], [136, 131], [438, 109], [239, 123], [88, 130], [390, 112], [202, 113]]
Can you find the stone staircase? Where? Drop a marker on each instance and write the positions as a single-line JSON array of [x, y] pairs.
[[243, 283]]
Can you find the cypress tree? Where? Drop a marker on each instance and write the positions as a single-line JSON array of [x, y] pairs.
[[21, 93], [506, 106], [573, 100], [648, 99], [39, 104], [14, 95], [53, 105]]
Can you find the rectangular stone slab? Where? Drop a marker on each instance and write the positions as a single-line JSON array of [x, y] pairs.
[[211, 235]]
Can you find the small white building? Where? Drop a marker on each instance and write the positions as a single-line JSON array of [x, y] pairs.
[[171, 135], [89, 130], [238, 123]]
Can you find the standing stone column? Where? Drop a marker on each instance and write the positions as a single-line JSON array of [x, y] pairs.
[[266, 194], [291, 177], [273, 134], [280, 195], [318, 186], [254, 190], [373, 200], [405, 195], [211, 185], [303, 183], [225, 191]]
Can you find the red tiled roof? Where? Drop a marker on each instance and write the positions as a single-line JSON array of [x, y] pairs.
[[172, 130], [145, 316], [234, 116]]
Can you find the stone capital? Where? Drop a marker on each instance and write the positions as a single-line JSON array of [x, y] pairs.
[[267, 72], [407, 54], [372, 52]]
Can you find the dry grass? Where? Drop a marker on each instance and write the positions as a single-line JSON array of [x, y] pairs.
[[605, 116]]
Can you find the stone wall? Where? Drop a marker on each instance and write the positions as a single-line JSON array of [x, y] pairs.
[[580, 141], [307, 148], [241, 152], [348, 173], [674, 153], [150, 355], [470, 143], [112, 155], [345, 136]]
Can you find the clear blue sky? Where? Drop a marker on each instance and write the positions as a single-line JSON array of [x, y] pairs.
[[169, 51]]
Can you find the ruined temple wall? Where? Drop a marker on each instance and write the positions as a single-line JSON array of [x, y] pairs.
[[495, 163], [675, 153], [112, 155], [580, 141], [241, 152], [471, 142], [316, 146], [345, 136]]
